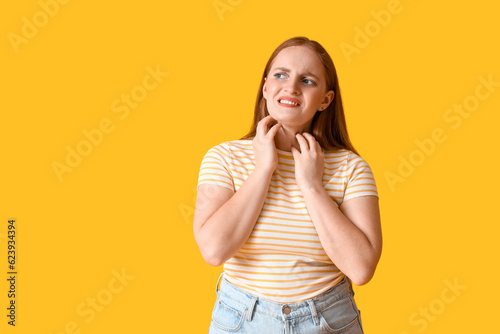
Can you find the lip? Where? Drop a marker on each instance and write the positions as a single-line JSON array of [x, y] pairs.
[[288, 99]]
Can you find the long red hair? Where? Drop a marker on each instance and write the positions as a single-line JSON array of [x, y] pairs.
[[328, 126]]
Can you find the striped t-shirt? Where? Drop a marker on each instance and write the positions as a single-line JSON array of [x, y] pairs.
[[283, 259]]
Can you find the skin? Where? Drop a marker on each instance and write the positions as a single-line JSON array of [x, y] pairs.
[[223, 220]]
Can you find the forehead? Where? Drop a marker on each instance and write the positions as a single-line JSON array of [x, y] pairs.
[[300, 59]]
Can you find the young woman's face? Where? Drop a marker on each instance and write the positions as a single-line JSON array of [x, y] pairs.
[[295, 87]]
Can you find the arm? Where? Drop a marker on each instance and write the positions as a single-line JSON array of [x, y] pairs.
[[351, 235], [224, 220]]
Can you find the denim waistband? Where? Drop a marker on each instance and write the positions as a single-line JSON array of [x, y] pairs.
[[308, 307]]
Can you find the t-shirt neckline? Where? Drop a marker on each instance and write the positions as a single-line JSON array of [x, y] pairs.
[[284, 152], [277, 150]]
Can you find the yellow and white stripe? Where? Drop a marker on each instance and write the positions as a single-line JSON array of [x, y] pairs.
[[283, 259]]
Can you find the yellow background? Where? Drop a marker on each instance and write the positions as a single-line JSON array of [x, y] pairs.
[[128, 204]]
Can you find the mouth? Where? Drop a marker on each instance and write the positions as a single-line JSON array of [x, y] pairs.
[[288, 102]]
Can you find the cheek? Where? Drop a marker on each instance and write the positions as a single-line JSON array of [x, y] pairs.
[[271, 89], [318, 99], [268, 92]]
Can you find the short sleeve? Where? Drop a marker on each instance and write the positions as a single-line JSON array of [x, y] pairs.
[[360, 180], [215, 167]]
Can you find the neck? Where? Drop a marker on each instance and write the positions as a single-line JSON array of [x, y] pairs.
[[285, 138]]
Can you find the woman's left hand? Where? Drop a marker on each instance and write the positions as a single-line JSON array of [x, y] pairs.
[[309, 162]]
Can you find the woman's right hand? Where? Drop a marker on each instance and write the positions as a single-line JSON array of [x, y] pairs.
[[264, 147]]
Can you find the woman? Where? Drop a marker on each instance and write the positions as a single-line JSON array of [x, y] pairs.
[[291, 209]]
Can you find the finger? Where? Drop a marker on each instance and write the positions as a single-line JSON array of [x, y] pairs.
[[274, 130], [311, 140], [302, 142], [265, 124], [318, 147], [261, 127]]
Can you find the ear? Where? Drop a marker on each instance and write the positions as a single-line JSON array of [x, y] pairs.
[[327, 100], [264, 93]]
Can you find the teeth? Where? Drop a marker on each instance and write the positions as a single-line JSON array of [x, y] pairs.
[[288, 102]]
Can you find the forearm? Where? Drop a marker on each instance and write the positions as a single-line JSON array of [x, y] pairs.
[[225, 232], [345, 244]]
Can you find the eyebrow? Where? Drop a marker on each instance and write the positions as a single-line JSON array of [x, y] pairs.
[[284, 69]]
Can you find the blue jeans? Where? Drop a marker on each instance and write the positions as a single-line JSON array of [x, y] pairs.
[[237, 311]]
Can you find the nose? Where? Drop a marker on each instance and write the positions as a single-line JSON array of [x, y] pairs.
[[292, 87]]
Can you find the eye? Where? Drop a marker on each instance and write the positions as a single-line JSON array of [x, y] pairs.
[[277, 75], [309, 82]]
